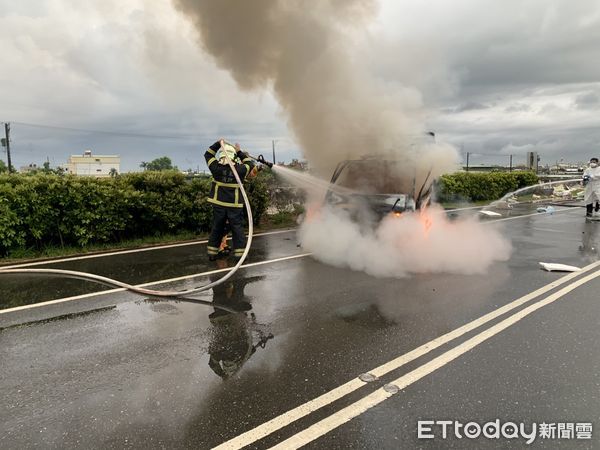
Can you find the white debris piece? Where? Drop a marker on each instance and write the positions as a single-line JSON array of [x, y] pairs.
[[545, 209], [489, 213], [554, 267]]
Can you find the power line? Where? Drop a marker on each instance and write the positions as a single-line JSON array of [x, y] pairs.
[[488, 154], [133, 135], [113, 133]]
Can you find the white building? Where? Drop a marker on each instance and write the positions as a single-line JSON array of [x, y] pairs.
[[30, 168], [93, 165]]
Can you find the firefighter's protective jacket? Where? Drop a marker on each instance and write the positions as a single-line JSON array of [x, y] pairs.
[[224, 190]]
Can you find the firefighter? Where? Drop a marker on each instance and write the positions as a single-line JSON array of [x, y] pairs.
[[228, 205], [591, 180]]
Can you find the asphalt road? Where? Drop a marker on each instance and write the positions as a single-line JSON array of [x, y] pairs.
[[113, 370]]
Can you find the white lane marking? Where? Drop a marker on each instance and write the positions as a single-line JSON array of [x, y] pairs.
[[465, 209], [152, 283], [348, 413], [547, 230], [292, 415], [125, 252]]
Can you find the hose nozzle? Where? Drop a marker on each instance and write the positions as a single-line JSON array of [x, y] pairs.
[[261, 159]]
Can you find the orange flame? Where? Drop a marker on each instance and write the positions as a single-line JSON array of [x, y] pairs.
[[426, 221], [312, 213]]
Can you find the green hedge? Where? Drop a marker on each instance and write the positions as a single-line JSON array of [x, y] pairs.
[[482, 186], [40, 210]]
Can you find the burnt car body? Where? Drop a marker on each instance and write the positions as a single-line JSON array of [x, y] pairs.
[[375, 187], [370, 188]]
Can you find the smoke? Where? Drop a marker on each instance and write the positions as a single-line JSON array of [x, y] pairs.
[[310, 55], [420, 242]]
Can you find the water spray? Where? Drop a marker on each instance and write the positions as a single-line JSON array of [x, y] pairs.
[[505, 200], [167, 295]]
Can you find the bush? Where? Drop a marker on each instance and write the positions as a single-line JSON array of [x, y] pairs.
[[46, 209], [482, 186], [11, 232], [258, 193]]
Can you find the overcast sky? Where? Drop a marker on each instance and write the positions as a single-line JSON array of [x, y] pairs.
[[494, 77]]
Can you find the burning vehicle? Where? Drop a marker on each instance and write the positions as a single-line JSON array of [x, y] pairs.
[[371, 188]]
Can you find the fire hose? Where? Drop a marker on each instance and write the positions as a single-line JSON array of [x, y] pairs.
[[168, 295]]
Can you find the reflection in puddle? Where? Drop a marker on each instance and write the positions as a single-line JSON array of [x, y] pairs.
[[589, 241], [233, 334], [366, 315]]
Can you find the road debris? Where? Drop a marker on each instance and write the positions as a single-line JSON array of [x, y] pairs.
[[546, 209], [489, 213], [555, 267]]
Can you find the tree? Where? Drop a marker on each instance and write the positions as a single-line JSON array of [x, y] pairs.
[[162, 163], [113, 172], [3, 167]]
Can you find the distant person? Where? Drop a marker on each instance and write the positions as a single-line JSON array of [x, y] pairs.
[[228, 205], [591, 181]]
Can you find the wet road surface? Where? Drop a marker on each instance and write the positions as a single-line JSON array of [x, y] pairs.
[[116, 370]]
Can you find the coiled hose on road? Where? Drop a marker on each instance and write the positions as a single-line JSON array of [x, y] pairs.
[[168, 295]]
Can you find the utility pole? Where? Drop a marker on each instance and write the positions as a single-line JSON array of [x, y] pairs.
[[467, 161], [7, 143], [274, 162], [510, 166]]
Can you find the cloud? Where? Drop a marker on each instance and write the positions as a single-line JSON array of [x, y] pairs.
[[515, 149], [133, 67], [486, 71], [535, 64], [588, 100], [518, 107], [507, 43], [469, 105]]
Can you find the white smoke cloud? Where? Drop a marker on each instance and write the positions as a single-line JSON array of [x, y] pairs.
[[420, 242], [338, 109], [313, 61]]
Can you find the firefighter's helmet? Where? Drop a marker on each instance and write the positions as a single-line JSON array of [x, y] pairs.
[[228, 150]]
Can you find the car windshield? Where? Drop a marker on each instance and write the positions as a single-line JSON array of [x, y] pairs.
[[373, 176]]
